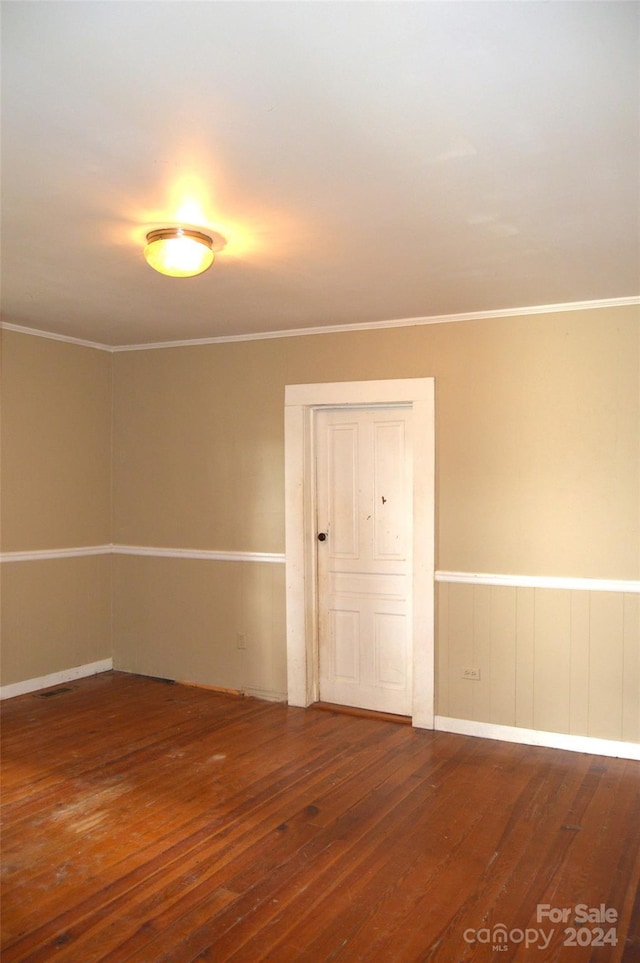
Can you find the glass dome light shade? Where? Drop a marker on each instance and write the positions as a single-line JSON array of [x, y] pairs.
[[179, 252]]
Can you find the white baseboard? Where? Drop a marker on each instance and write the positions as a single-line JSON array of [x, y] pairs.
[[55, 678], [537, 737]]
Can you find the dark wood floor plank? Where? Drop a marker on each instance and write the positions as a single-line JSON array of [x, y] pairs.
[[505, 892], [445, 855], [264, 847], [607, 831], [197, 758], [265, 857], [371, 870], [264, 894], [146, 822], [249, 798]]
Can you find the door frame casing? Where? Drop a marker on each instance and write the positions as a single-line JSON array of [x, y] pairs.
[[301, 402]]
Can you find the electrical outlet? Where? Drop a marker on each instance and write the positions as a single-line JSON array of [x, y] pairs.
[[473, 674], [241, 641]]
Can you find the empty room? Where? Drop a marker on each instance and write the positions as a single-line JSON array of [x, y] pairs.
[[320, 503]]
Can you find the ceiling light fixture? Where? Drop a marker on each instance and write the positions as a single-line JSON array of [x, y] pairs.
[[179, 252]]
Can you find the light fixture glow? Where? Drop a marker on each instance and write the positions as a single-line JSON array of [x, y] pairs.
[[179, 252]]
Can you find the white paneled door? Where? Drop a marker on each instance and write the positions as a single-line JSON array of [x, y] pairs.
[[364, 498]]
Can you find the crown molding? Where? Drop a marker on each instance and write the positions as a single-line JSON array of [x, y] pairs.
[[337, 328], [399, 323], [52, 336]]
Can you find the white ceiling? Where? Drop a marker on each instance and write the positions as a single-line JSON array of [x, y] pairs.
[[365, 161]]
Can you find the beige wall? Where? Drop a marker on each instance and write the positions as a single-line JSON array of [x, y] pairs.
[[537, 474], [537, 438], [56, 615], [198, 454], [537, 461], [56, 444], [182, 618], [56, 493]]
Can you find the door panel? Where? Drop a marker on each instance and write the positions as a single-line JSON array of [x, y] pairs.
[[390, 530], [343, 493], [390, 651], [345, 628], [364, 503]]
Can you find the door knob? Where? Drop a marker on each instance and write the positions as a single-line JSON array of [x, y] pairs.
[[322, 536]]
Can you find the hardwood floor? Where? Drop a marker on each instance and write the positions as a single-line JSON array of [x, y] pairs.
[[148, 821]]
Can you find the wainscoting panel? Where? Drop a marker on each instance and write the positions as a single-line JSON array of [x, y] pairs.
[[631, 674], [549, 659]]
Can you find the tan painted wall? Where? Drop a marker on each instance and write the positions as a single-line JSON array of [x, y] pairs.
[[538, 463], [56, 444], [56, 493], [537, 438], [181, 618], [56, 615], [198, 457], [537, 474]]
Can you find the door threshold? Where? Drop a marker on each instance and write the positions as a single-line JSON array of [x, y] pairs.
[[362, 713]]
